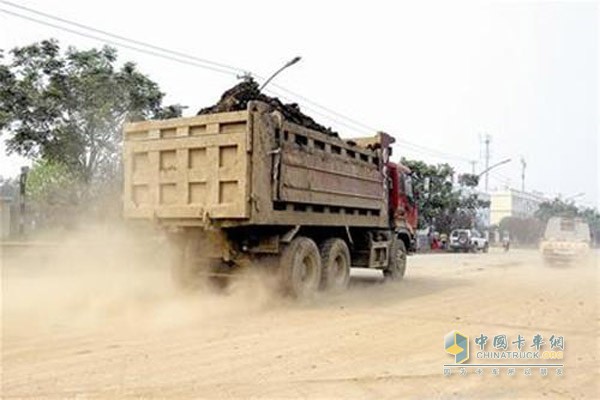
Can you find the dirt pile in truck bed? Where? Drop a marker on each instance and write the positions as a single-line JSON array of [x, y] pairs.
[[237, 98]]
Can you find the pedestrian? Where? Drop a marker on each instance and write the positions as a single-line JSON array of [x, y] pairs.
[[444, 241], [506, 243]]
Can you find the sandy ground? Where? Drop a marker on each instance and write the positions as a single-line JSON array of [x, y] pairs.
[[83, 320]]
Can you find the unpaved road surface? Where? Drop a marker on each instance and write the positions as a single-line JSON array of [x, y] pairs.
[[85, 321]]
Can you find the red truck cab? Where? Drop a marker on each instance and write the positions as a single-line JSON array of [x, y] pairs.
[[402, 202]]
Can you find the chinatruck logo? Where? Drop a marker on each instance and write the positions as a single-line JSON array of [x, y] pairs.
[[502, 351], [457, 344]]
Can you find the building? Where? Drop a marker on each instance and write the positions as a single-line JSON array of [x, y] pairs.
[[513, 203]]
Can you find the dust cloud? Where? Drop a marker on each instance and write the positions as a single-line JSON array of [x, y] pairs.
[[113, 277], [96, 316]]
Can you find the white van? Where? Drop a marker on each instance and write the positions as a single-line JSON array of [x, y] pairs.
[[565, 239]]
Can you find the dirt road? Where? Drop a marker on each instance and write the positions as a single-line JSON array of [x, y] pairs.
[[91, 323]]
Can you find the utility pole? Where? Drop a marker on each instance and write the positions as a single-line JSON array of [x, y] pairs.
[[523, 166], [473, 162], [488, 139], [22, 199]]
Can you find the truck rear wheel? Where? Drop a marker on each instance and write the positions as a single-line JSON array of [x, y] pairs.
[[335, 258], [300, 266], [397, 262]]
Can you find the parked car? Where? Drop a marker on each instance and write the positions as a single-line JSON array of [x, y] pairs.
[[468, 240]]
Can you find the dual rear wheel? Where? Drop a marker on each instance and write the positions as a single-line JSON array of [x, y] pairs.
[[305, 267]]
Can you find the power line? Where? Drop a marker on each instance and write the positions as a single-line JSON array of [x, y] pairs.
[[498, 174], [209, 65], [234, 70], [506, 181], [217, 69], [306, 100], [317, 112], [369, 129], [115, 43], [123, 38], [435, 152], [365, 128]]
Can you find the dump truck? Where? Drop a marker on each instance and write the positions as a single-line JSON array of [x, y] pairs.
[[243, 188]]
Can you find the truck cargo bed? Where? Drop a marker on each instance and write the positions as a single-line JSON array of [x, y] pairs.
[[249, 167], [187, 167]]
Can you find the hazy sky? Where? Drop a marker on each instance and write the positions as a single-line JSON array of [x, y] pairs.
[[432, 74]]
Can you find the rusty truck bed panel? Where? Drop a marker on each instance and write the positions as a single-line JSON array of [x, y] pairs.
[[249, 168]]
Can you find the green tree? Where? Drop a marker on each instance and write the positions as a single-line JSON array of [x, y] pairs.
[[67, 107], [592, 216], [50, 183], [442, 203], [470, 180], [523, 230], [52, 195], [555, 208]]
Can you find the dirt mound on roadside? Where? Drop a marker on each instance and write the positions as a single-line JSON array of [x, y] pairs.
[[237, 98]]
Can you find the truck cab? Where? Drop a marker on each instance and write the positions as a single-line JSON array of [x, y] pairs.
[[403, 203]]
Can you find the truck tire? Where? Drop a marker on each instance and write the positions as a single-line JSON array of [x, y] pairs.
[[300, 266], [486, 247], [397, 263], [335, 257]]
